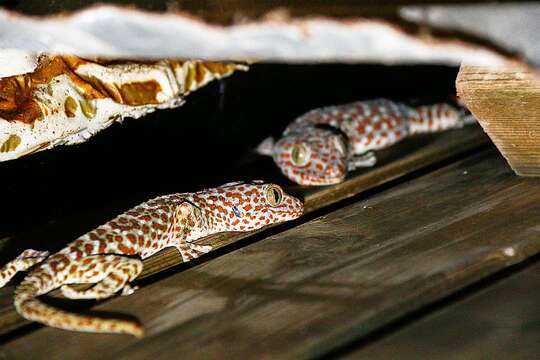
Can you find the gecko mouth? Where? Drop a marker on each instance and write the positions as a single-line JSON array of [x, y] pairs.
[[324, 180]]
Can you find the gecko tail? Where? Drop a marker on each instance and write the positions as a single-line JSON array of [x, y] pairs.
[[266, 147], [31, 308], [439, 117]]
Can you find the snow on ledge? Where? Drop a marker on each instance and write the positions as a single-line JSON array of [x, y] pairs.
[[116, 32], [15, 62]]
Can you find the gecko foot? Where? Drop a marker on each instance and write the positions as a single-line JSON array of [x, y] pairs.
[[366, 160], [190, 251], [128, 290]]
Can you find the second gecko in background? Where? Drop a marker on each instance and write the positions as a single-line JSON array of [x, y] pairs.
[[321, 146]]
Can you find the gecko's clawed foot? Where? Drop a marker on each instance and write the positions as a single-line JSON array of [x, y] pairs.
[[366, 160], [190, 251], [128, 290]]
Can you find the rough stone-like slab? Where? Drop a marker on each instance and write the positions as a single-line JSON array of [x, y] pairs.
[[117, 32], [513, 26], [67, 99]]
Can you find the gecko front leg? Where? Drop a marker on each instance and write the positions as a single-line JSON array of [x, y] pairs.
[[191, 224]]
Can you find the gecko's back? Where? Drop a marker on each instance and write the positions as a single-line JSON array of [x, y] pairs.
[[367, 125]]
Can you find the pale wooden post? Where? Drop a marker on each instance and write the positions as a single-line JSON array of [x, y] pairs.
[[506, 102]]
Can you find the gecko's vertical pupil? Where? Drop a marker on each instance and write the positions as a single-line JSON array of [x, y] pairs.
[[274, 196]]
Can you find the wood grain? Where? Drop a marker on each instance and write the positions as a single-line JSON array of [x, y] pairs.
[[397, 161], [301, 293], [393, 163], [506, 103], [402, 159], [501, 322]]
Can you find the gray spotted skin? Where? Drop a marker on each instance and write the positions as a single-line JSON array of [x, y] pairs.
[[336, 139], [110, 257]]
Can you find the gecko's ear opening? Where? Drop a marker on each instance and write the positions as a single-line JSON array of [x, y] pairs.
[[266, 147]]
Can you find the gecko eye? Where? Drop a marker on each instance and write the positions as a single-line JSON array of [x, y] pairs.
[[274, 195], [300, 155]]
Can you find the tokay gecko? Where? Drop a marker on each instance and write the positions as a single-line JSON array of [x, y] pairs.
[[321, 146], [109, 257]]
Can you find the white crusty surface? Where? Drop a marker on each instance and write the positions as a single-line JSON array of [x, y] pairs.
[[514, 25], [61, 124], [115, 32], [16, 61]]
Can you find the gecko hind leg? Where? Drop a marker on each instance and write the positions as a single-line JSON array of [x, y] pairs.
[[190, 251], [23, 262], [365, 160], [109, 273]]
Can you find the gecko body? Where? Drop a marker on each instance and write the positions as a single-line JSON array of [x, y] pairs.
[[321, 146], [110, 256]]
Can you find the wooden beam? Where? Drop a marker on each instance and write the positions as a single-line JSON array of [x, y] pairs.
[[501, 324], [506, 103], [305, 291], [400, 160]]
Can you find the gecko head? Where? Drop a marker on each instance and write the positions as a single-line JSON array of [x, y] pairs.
[[243, 206], [317, 157]]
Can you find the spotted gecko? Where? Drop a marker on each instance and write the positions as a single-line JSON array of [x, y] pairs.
[[110, 256], [321, 146]]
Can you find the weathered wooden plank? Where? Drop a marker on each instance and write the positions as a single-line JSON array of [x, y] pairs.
[[302, 292], [506, 103], [500, 322], [392, 163], [398, 161]]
